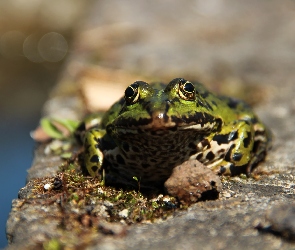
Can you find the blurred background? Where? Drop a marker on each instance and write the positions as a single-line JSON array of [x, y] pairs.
[[243, 44], [35, 36]]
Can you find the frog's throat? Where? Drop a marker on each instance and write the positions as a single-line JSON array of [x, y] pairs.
[[202, 122]]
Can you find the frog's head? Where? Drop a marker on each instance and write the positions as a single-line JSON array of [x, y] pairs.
[[179, 106]]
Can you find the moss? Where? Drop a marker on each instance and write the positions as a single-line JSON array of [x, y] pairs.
[[87, 193], [52, 244]]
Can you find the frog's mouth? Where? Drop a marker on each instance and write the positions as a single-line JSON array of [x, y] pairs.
[[159, 121]]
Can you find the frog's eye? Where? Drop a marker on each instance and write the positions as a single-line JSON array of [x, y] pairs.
[[186, 90], [131, 93]]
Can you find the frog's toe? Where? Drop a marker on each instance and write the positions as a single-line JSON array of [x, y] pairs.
[[229, 168], [223, 168]]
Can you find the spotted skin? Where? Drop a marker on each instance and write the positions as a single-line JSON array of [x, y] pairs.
[[155, 128]]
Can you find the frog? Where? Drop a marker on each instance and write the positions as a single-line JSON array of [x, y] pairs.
[[155, 127]]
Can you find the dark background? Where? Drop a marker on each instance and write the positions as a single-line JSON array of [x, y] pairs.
[[26, 77]]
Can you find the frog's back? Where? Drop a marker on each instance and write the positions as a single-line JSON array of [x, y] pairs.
[[228, 108]]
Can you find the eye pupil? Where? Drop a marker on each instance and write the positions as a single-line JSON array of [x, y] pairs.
[[189, 87], [186, 90], [129, 92]]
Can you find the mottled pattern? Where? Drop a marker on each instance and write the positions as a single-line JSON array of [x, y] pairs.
[[155, 128], [150, 156]]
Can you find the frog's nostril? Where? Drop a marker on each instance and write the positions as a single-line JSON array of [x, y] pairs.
[[159, 119]]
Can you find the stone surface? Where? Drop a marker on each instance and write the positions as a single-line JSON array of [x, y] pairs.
[[282, 220], [246, 44]]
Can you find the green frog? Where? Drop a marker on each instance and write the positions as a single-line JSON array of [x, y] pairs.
[[154, 128]]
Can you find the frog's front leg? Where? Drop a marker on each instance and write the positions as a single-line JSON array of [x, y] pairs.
[[233, 145], [93, 156]]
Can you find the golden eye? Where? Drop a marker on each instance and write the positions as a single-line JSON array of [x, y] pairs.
[[131, 93], [186, 90]]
